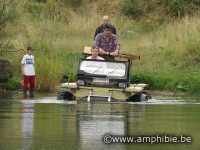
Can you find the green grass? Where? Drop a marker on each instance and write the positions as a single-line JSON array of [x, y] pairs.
[[177, 80], [177, 8], [169, 48], [12, 85]]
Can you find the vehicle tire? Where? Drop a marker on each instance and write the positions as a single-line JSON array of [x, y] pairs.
[[65, 96]]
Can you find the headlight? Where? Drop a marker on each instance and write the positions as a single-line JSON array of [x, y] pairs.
[[80, 82], [122, 85]]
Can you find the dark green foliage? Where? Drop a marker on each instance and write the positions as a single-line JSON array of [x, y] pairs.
[[73, 3], [6, 70], [13, 85], [177, 80], [41, 1], [130, 8], [182, 7], [35, 9], [173, 7]]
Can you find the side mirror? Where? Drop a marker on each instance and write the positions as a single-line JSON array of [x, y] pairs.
[[137, 81], [65, 77]]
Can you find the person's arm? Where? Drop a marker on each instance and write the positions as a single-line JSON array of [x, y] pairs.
[[96, 32], [101, 51], [116, 52], [114, 31], [22, 65], [97, 44], [33, 60], [117, 47], [22, 69]]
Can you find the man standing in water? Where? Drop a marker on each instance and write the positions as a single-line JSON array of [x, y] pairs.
[[28, 71], [107, 43], [100, 28]]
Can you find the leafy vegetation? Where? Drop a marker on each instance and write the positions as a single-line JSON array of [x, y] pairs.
[[8, 14], [131, 8], [169, 47], [172, 7]]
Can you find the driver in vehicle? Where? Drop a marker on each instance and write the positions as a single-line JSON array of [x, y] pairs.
[[107, 43], [95, 53]]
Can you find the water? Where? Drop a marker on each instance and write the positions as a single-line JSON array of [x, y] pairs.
[[44, 123]]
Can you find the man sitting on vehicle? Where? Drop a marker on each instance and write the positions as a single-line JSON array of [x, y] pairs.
[[107, 43], [100, 28], [95, 53]]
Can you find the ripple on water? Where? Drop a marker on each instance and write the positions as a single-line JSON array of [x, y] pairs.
[[153, 101]]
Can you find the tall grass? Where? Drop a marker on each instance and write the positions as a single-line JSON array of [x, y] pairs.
[[177, 8], [8, 14], [173, 46], [169, 52]]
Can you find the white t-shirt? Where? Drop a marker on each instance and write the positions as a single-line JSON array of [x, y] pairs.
[[28, 62], [98, 58]]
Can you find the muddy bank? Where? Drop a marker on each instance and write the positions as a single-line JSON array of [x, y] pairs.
[[10, 85], [6, 74]]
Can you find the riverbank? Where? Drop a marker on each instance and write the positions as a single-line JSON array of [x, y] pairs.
[[168, 46], [10, 85], [177, 82]]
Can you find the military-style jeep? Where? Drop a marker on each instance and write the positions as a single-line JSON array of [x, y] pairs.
[[103, 80]]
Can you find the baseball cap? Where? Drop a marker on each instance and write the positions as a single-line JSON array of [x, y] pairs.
[[30, 48]]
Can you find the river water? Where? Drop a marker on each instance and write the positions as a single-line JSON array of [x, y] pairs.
[[44, 123]]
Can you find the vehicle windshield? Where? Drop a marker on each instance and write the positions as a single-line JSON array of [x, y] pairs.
[[110, 69]]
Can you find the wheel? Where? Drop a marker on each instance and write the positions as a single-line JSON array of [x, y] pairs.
[[65, 96]]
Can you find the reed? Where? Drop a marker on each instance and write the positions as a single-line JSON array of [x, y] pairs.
[[169, 51]]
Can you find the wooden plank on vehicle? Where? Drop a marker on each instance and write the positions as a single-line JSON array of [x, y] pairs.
[[87, 50]]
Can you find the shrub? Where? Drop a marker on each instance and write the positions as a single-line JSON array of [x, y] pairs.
[[41, 1], [73, 3], [182, 7], [130, 8], [8, 13]]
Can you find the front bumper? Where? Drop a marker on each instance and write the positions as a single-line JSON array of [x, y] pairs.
[[109, 93]]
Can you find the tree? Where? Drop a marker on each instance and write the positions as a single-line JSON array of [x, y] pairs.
[[8, 14]]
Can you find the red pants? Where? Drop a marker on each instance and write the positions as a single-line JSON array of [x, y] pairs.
[[29, 82]]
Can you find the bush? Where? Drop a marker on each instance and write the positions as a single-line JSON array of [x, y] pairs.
[[41, 1], [51, 10], [8, 13], [73, 3], [130, 8], [173, 7], [12, 85], [182, 7]]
